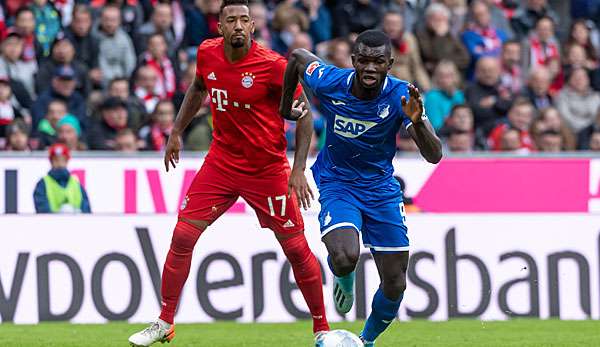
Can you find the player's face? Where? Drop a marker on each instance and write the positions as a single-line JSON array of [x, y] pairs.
[[372, 65], [236, 25]]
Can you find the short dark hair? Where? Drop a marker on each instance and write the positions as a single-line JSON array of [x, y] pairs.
[[226, 3], [373, 38], [118, 79]]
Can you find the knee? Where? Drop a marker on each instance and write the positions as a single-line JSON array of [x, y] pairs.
[[344, 261], [394, 286], [185, 236]]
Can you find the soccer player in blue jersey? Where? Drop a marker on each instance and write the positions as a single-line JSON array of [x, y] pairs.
[[364, 108]]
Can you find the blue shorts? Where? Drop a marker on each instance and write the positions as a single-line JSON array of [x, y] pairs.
[[378, 217]]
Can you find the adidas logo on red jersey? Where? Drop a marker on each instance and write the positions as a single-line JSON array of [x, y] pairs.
[[211, 76], [289, 224]]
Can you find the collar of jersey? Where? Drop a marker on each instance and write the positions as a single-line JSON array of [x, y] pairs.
[[349, 86], [250, 51]]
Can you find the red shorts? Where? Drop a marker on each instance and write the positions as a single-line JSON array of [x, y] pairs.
[[215, 190]]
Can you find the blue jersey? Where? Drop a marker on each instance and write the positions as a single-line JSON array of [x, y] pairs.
[[361, 134]]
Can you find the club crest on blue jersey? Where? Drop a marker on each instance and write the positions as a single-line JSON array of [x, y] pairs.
[[351, 128], [383, 110]]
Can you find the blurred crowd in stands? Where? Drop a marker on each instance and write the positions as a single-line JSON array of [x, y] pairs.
[[498, 75]]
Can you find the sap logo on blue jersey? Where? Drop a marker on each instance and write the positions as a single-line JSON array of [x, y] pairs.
[[351, 128]]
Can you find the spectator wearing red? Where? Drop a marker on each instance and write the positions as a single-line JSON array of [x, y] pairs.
[[8, 112], [156, 58], [59, 191], [541, 48], [144, 88], [511, 77], [157, 133], [407, 64], [519, 118], [480, 37], [25, 26]]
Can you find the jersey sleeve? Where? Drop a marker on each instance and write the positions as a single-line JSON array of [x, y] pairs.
[[318, 76], [278, 71], [199, 55]]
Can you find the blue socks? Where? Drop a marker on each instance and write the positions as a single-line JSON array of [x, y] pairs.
[[383, 313], [346, 282]]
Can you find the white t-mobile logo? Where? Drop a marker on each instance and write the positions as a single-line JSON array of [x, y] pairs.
[[219, 97]]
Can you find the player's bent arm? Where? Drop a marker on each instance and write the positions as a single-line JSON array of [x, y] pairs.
[[194, 97], [298, 61], [424, 136]]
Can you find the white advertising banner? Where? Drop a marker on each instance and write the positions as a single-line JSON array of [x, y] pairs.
[[90, 269]]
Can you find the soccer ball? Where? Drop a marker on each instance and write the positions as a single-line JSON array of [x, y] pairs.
[[338, 338]]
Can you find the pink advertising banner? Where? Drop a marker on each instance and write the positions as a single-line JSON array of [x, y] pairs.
[[465, 185]]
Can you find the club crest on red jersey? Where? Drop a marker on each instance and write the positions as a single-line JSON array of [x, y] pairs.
[[247, 79]]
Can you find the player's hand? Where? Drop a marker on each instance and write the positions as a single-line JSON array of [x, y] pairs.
[[299, 185], [298, 110], [172, 151], [413, 107]]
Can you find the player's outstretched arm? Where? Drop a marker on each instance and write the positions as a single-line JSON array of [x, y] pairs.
[[421, 130], [194, 97], [298, 61], [298, 182]]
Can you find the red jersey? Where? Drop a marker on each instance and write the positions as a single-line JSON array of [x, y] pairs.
[[248, 131]]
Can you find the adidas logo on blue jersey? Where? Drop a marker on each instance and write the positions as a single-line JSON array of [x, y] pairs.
[[351, 128]]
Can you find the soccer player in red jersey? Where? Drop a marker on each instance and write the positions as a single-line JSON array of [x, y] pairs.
[[247, 158]]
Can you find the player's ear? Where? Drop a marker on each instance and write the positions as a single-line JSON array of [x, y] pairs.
[[353, 57], [252, 27], [220, 28], [390, 63]]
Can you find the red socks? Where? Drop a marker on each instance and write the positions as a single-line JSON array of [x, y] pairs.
[[177, 267], [307, 273], [305, 266]]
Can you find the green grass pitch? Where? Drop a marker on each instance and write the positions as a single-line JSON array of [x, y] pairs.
[[414, 333]]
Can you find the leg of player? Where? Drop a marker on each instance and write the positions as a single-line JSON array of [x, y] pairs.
[[386, 301], [343, 246], [307, 273], [175, 273]]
